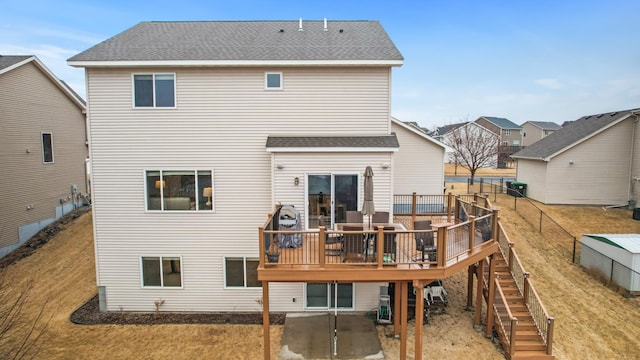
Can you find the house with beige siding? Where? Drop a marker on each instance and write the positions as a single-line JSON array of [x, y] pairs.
[[533, 131], [42, 149], [197, 129], [594, 160]]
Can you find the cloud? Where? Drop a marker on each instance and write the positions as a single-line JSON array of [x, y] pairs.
[[553, 84]]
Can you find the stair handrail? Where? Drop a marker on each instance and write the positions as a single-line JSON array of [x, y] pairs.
[[541, 318], [506, 321]]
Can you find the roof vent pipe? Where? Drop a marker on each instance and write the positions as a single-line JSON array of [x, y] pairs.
[[325, 24], [300, 25]]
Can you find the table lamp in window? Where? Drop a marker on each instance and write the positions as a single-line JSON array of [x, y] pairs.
[[207, 192]]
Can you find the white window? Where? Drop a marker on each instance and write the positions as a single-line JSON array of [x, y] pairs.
[[323, 296], [154, 90], [47, 147], [507, 132], [179, 190], [241, 272], [547, 132], [161, 271], [273, 81]]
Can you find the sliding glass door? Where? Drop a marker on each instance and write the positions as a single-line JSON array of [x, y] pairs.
[[329, 197]]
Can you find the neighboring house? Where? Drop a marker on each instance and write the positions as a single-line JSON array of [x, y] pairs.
[[510, 137], [510, 133], [592, 161], [447, 134], [533, 131], [42, 149], [197, 129]]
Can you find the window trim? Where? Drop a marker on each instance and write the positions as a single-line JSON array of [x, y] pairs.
[[161, 170], [244, 270], [53, 158], [162, 286], [266, 84], [153, 83]]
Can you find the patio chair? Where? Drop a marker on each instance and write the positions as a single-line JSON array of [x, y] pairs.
[[425, 240], [381, 217], [436, 295], [354, 217], [353, 243]]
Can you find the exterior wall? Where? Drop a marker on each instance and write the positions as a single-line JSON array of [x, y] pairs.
[[301, 164], [613, 262], [31, 104], [533, 173], [418, 166], [533, 134], [635, 166], [221, 122], [599, 174]]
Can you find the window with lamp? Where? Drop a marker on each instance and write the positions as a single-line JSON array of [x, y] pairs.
[[179, 190]]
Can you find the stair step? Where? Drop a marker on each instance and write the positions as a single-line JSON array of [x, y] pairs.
[[530, 345], [531, 355], [527, 335]]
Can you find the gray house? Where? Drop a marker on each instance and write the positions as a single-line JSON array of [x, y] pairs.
[[592, 161], [42, 149], [533, 131]]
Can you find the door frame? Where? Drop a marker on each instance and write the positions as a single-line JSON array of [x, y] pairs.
[[332, 174]]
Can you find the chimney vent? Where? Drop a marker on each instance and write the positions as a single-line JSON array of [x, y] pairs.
[[300, 25], [325, 24]]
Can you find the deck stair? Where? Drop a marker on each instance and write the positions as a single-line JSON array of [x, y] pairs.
[[529, 344]]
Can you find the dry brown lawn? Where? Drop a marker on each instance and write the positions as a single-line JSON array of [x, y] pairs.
[[592, 321]]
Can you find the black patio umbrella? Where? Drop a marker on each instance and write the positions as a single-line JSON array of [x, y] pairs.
[[368, 208]]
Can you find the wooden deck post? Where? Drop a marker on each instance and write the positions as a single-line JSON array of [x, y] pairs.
[[442, 243], [261, 247], [449, 204], [265, 321], [479, 292], [380, 246], [470, 271], [525, 291], [403, 326], [419, 286], [472, 232], [414, 207], [321, 245], [397, 309], [496, 227], [491, 296], [550, 322]]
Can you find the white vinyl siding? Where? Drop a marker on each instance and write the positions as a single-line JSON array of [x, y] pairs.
[[534, 174], [419, 164], [222, 123], [30, 103]]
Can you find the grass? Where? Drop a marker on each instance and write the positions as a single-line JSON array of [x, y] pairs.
[[592, 321]]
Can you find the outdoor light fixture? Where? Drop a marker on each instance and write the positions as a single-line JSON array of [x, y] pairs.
[[280, 165], [571, 162], [206, 192], [385, 165], [296, 181], [160, 183]]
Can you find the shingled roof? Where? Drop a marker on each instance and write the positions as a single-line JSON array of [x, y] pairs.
[[544, 125], [502, 123], [357, 142], [571, 135], [9, 60], [213, 42]]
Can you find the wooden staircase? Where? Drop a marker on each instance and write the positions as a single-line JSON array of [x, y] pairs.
[[529, 344]]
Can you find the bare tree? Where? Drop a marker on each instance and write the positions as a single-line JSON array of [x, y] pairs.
[[20, 332], [473, 147]]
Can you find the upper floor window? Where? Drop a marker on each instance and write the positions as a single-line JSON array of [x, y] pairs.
[[161, 271], [547, 132], [179, 190], [47, 148], [507, 132], [273, 81], [154, 90]]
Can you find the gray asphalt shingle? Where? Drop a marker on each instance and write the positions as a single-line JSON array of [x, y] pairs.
[[246, 40], [502, 122], [384, 141], [570, 134], [8, 60]]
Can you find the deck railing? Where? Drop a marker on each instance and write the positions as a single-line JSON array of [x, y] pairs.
[[506, 322], [541, 317], [361, 247]]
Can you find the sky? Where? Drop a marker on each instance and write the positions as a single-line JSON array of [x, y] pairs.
[[526, 60]]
